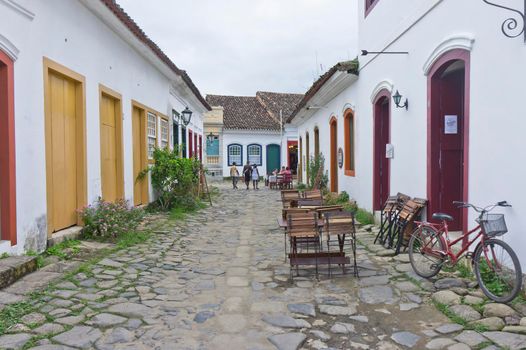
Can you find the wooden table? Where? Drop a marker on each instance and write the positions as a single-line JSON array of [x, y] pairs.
[[283, 223]]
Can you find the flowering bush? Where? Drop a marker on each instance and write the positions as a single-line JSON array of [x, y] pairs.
[[110, 219]]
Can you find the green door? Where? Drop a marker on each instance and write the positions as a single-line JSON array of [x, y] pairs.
[[273, 158]]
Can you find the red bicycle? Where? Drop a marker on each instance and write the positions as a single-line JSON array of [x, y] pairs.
[[495, 264]]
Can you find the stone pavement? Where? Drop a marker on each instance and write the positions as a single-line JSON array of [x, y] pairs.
[[219, 280]]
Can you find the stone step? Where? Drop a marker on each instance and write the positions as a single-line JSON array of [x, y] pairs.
[[14, 268]]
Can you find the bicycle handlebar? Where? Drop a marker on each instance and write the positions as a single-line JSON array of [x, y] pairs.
[[479, 209]]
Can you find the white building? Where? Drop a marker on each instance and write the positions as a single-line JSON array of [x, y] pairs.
[[461, 68], [247, 128], [84, 97]]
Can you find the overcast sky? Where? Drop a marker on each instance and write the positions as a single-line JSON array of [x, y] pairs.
[[238, 47]]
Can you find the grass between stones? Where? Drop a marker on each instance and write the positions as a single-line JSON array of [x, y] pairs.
[[12, 314]]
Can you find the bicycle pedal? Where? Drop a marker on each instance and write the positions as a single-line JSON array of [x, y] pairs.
[[469, 255]]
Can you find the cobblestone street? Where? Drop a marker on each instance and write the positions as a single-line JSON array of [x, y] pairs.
[[219, 280]]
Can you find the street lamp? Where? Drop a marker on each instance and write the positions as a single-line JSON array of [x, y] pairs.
[[186, 116], [210, 137], [397, 98]]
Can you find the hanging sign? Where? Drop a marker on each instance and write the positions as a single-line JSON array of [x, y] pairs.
[[450, 124], [389, 151], [340, 157]]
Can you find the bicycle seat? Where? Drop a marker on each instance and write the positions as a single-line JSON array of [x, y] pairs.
[[442, 217]]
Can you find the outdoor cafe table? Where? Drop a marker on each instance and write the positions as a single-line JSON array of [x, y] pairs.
[[321, 257]]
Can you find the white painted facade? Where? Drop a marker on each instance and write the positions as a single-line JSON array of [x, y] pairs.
[[85, 37], [246, 138], [427, 29]]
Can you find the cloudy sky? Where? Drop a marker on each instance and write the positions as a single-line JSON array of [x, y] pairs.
[[237, 47]]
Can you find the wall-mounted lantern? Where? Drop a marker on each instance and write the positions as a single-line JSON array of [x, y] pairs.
[[398, 98], [186, 116]]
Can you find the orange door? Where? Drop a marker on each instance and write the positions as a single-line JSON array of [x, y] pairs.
[[110, 148], [334, 156], [140, 188], [63, 151]]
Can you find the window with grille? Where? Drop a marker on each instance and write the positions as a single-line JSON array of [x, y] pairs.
[[152, 134], [254, 154], [235, 154], [164, 133]]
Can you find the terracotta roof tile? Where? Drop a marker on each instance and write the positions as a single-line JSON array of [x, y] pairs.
[[275, 102], [349, 66], [243, 112], [139, 34], [255, 113]]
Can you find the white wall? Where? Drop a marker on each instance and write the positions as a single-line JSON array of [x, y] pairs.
[[497, 120], [68, 33], [245, 138]]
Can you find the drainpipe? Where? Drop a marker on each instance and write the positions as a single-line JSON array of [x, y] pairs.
[[281, 134]]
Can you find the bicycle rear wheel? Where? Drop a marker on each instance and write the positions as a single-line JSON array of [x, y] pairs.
[[426, 251], [498, 270]]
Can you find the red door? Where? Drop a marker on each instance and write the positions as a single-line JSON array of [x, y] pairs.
[[381, 139], [195, 146], [447, 140], [200, 147], [190, 144]]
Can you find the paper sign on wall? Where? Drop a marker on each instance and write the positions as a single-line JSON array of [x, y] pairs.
[[450, 124], [389, 151]]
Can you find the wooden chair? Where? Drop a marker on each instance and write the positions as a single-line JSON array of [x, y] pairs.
[[386, 217], [390, 234], [287, 181], [309, 203], [303, 231], [340, 230], [284, 214], [406, 217], [313, 194], [290, 198], [326, 209]]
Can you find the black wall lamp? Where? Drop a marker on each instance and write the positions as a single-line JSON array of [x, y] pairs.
[[397, 98], [186, 116]]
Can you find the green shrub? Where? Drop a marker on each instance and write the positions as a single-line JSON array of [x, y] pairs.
[[110, 220], [343, 197], [316, 163], [364, 217], [301, 187], [174, 179]]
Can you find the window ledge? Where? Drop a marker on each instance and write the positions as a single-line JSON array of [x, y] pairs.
[[350, 173]]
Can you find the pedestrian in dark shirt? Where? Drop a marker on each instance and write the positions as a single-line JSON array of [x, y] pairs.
[[247, 173]]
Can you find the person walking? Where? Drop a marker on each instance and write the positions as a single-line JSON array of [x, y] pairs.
[[255, 177], [234, 174], [247, 173]]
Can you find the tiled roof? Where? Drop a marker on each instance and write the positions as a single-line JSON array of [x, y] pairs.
[[349, 66], [139, 34], [243, 112], [275, 102], [255, 113]]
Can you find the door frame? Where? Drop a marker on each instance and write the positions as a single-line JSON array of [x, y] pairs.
[[145, 190], [383, 93], [333, 132], [103, 90], [452, 55], [80, 104], [8, 158]]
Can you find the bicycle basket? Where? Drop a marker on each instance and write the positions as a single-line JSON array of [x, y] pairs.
[[493, 224]]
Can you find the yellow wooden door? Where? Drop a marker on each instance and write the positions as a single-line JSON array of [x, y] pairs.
[[63, 151], [109, 149], [140, 188]]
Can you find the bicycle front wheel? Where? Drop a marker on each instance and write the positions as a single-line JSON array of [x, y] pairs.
[[498, 270], [426, 251]]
